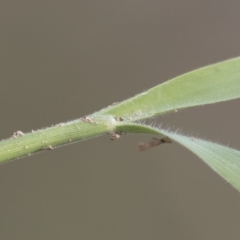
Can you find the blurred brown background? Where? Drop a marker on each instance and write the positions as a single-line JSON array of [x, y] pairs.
[[60, 60]]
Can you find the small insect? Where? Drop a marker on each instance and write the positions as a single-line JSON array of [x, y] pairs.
[[116, 135], [153, 143], [48, 147], [89, 120], [119, 119], [17, 134]]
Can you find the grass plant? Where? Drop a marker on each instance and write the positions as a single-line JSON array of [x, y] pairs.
[[211, 84]]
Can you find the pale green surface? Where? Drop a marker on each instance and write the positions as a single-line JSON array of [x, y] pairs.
[[214, 83], [58, 135], [224, 160]]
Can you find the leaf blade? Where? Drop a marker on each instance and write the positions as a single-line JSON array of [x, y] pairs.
[[210, 84], [223, 160]]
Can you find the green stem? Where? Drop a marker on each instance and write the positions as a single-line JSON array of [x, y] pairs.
[[20, 145]]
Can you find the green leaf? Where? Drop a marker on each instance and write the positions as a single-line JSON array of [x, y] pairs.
[[224, 160], [214, 83], [211, 84]]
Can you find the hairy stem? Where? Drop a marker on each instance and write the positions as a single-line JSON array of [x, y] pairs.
[[21, 144]]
